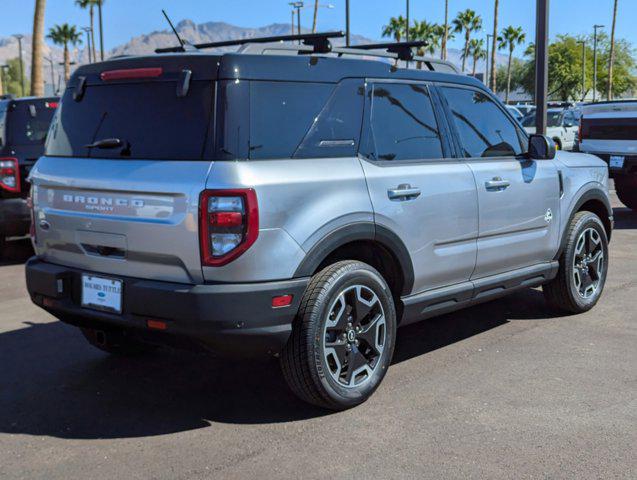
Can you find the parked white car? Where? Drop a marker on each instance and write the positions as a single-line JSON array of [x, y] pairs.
[[562, 126]]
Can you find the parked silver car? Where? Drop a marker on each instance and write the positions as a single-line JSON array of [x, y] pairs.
[[302, 206]]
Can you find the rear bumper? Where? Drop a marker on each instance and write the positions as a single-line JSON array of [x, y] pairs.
[[229, 319], [15, 218], [629, 169]]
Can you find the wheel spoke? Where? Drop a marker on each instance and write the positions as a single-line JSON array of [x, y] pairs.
[[362, 305], [355, 361], [339, 349], [369, 334]]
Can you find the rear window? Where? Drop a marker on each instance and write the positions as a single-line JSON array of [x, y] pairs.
[[26, 123], [148, 118]]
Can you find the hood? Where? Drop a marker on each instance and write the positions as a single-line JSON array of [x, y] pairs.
[[580, 160]]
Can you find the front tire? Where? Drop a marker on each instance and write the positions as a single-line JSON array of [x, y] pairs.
[[583, 266], [343, 337]]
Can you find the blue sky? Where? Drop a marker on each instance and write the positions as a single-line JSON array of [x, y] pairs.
[[126, 18]]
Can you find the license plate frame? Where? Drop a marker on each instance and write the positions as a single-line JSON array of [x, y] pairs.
[[616, 161], [102, 293]]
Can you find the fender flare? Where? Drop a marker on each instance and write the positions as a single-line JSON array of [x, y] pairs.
[[591, 194], [354, 232]]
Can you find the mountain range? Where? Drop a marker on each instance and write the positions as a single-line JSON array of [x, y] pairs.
[[188, 30]]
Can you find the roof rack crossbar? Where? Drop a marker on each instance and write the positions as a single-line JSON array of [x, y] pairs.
[[319, 41], [403, 50]]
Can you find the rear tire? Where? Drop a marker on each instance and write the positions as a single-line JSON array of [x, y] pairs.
[[627, 195], [116, 342], [583, 266], [343, 337]]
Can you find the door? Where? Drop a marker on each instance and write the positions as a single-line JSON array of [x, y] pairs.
[[571, 126], [518, 198], [417, 191]]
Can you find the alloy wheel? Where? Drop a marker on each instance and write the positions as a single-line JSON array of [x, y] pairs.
[[588, 263]]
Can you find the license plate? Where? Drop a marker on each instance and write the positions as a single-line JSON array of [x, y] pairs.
[[616, 161], [102, 293]]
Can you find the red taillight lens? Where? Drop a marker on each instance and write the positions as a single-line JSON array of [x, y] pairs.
[[228, 224], [131, 74], [10, 174]]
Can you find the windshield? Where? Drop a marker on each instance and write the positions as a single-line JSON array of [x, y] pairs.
[[149, 120], [553, 119], [26, 123]]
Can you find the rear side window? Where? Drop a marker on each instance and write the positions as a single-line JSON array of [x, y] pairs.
[[484, 129], [149, 119], [403, 124], [281, 113], [27, 123]]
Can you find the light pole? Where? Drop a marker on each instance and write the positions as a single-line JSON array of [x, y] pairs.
[[99, 14], [20, 37], [541, 64], [347, 23], [583, 42], [486, 77], [88, 42], [595, 27], [297, 6], [50, 60], [407, 26]]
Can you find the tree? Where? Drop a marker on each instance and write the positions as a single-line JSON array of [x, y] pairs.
[[493, 73], [510, 38], [476, 52], [467, 22], [90, 4], [11, 80], [612, 54], [37, 53], [63, 35], [396, 28], [427, 32], [445, 33]]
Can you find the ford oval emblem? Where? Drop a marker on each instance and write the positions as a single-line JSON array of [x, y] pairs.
[[101, 294]]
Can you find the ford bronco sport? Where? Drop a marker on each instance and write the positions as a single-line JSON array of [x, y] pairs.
[[23, 126], [302, 206]]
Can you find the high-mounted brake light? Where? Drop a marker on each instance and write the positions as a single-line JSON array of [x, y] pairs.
[[131, 74], [51, 104], [228, 224], [10, 174]]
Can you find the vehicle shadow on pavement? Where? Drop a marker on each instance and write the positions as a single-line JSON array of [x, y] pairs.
[[16, 252], [53, 383], [625, 218]]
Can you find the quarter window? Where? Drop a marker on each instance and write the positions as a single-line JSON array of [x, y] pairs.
[[403, 124], [484, 129]]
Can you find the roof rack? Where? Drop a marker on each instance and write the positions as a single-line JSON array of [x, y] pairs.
[[319, 41], [403, 50]]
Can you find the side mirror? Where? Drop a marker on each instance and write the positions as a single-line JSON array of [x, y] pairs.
[[541, 147]]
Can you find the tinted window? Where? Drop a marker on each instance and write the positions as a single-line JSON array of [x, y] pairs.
[[148, 117], [281, 113], [403, 123], [27, 123], [336, 130], [485, 130]]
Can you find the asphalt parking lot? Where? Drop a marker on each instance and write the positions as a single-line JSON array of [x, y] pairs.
[[502, 390]]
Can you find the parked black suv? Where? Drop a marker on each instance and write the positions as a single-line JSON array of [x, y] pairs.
[[24, 124]]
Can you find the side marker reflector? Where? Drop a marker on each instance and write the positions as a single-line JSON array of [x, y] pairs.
[[282, 301], [156, 324]]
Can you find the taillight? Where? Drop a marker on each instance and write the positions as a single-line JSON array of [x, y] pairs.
[[228, 224], [10, 174]]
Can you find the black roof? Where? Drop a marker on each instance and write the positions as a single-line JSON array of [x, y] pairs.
[[302, 68]]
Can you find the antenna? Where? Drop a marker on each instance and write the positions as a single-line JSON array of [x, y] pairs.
[[181, 42]]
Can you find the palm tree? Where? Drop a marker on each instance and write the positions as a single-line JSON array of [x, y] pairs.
[[315, 17], [445, 33], [37, 45], [476, 52], [89, 4], [611, 60], [467, 22], [493, 73], [510, 38], [63, 35], [427, 32], [396, 28]]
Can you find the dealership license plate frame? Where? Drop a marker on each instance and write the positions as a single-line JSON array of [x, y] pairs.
[[617, 161], [110, 302]]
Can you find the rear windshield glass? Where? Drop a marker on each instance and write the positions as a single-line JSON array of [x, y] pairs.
[[25, 123], [148, 118]]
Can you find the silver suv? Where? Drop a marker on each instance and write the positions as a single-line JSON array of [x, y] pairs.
[[301, 206]]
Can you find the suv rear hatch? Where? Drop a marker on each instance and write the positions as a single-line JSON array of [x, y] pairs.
[[117, 191], [609, 127]]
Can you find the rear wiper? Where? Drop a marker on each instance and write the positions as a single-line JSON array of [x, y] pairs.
[[107, 143]]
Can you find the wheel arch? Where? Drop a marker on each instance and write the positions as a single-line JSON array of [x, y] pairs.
[[367, 242], [595, 201]]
